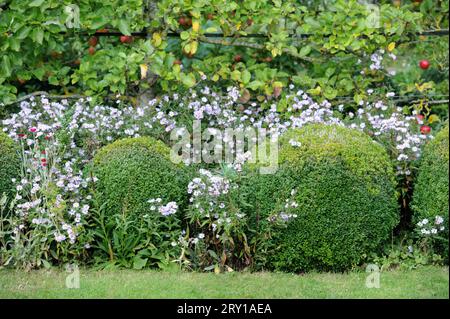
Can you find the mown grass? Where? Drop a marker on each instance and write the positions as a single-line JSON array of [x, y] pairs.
[[425, 282]]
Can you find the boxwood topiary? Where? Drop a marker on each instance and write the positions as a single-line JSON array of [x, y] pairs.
[[347, 203], [430, 196], [9, 163], [131, 171]]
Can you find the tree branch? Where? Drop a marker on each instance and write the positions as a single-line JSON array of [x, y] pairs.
[[257, 46]]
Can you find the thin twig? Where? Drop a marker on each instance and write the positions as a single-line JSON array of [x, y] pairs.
[[251, 45]]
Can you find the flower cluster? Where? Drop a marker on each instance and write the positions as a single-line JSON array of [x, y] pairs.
[[50, 198], [376, 59], [400, 133], [430, 228], [208, 199], [215, 216], [187, 242], [287, 211], [165, 210]]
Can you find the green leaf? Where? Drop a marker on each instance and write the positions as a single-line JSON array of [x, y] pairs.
[[236, 75], [46, 264], [124, 27], [38, 35], [53, 80], [246, 76], [433, 118], [254, 85], [14, 43], [139, 263], [188, 79], [330, 93], [5, 67], [329, 72], [304, 51], [184, 35], [36, 3], [38, 73], [23, 33], [98, 22], [213, 254]]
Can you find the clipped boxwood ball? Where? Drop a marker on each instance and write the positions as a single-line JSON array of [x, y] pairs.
[[430, 196], [345, 191], [9, 163], [131, 171]]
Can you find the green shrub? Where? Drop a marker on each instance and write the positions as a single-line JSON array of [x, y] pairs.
[[347, 204], [9, 163], [133, 170], [430, 197]]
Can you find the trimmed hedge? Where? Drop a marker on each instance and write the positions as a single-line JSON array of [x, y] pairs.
[[133, 170], [347, 203], [9, 163], [430, 197]]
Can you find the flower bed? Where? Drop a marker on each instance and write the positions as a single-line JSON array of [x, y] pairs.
[[80, 181]]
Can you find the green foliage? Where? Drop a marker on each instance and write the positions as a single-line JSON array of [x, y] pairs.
[[9, 163], [120, 241], [430, 197], [406, 253], [133, 170], [316, 45], [127, 231], [42, 45], [345, 193]]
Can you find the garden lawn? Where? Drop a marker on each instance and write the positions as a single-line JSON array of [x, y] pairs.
[[425, 282]]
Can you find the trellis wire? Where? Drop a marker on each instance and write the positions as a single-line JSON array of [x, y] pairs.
[[441, 32]]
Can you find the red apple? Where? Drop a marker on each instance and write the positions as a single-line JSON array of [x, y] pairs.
[[185, 21], [91, 50], [425, 129], [424, 64], [126, 39], [93, 41]]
